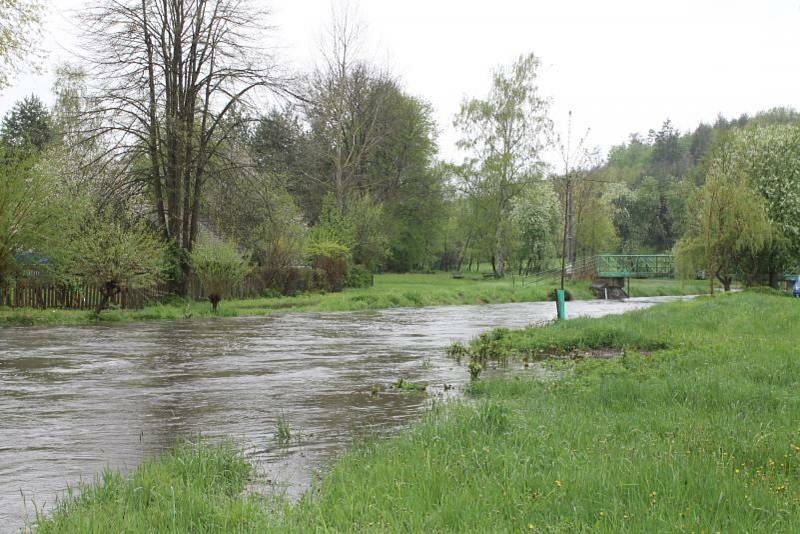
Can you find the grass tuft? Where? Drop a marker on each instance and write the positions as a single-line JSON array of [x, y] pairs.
[[283, 431], [194, 487]]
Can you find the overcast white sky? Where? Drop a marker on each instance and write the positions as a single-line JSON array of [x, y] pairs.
[[621, 66]]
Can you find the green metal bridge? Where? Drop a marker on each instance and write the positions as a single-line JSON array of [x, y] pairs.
[[634, 266], [617, 266]]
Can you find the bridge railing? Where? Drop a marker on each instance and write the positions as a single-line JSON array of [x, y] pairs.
[[635, 266]]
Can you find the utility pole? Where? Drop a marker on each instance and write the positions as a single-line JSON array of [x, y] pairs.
[[573, 163], [566, 250]]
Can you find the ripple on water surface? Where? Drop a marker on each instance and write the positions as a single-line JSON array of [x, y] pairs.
[[75, 400]]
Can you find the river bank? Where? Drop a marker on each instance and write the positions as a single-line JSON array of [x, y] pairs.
[[692, 427], [389, 291]]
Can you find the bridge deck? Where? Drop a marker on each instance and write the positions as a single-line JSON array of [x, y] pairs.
[[635, 266]]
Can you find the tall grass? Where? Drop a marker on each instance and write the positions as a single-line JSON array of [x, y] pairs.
[[699, 433], [193, 488], [283, 431]]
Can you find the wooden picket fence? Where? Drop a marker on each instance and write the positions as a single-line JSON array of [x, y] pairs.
[[23, 294], [32, 291]]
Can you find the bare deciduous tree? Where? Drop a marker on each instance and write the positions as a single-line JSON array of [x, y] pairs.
[[172, 77], [576, 160], [344, 101]]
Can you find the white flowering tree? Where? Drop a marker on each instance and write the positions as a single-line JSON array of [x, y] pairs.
[[769, 156]]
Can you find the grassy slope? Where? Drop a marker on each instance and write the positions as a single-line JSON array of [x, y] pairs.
[[390, 291], [701, 434]]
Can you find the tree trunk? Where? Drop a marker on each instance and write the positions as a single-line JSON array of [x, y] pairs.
[[566, 249], [108, 292], [773, 276], [499, 260], [725, 280]]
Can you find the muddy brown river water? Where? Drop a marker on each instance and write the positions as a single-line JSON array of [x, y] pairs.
[[74, 400]]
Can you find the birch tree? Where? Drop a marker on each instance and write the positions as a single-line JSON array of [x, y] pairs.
[[504, 136]]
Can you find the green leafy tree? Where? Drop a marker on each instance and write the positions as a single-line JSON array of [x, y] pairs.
[[770, 160], [594, 229], [27, 127], [369, 221], [537, 219], [115, 256], [334, 225], [403, 175], [728, 223], [628, 162], [504, 136], [30, 212], [219, 267], [417, 217]]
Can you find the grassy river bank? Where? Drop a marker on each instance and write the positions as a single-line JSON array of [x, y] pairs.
[[693, 427], [389, 291]]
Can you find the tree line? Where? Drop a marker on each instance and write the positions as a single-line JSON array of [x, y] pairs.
[[177, 147], [721, 197]]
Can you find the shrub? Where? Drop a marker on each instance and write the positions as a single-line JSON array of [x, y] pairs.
[[554, 293], [219, 267], [358, 276], [115, 257], [270, 293], [331, 258], [475, 370]]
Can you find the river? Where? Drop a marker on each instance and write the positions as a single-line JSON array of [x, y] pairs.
[[74, 400]]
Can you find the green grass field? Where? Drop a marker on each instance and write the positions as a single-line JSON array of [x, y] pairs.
[[390, 291], [694, 428]]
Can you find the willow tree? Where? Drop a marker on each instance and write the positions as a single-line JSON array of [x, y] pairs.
[[504, 136], [728, 221], [171, 80]]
